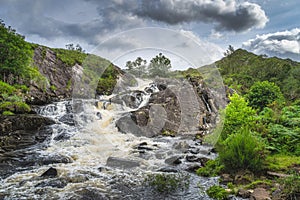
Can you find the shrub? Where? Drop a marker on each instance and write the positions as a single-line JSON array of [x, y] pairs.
[[166, 183], [6, 88], [211, 168], [238, 114], [21, 107], [242, 151], [262, 94], [217, 192]]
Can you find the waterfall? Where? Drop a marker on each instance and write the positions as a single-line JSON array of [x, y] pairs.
[[86, 148]]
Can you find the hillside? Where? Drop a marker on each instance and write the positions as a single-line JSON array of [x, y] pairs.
[[241, 69], [35, 74]]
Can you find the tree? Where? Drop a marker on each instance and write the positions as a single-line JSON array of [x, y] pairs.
[[159, 66], [137, 67], [263, 94], [238, 114], [229, 51], [75, 48]]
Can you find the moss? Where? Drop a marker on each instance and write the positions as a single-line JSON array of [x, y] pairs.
[[168, 133], [7, 113], [53, 88], [166, 183], [217, 192]]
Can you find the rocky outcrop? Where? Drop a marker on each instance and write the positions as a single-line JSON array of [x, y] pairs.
[[182, 106], [57, 83], [21, 131]]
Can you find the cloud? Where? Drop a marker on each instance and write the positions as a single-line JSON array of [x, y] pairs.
[[285, 44], [228, 15]]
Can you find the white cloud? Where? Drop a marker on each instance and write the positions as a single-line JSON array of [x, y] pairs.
[[284, 44]]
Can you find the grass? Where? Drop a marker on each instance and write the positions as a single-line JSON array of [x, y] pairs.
[[282, 163]]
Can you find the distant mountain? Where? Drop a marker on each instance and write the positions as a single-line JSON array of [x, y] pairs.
[[241, 69]]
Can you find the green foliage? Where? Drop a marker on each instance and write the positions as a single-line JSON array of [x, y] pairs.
[[53, 88], [137, 67], [211, 169], [217, 192], [242, 151], [241, 69], [166, 183], [159, 66], [7, 113], [238, 114], [291, 186], [69, 57], [281, 162], [6, 88], [15, 107], [15, 54], [262, 94], [108, 81]]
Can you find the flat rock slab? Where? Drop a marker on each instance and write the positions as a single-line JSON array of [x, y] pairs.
[[122, 163]]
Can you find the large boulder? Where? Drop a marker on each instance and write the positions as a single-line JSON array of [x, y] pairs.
[[22, 131]]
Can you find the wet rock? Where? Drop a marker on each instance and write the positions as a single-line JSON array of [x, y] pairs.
[[181, 146], [56, 183], [168, 170], [55, 159], [122, 163], [244, 193], [192, 158], [260, 194], [193, 168], [22, 122], [89, 194], [51, 172], [174, 160], [194, 151], [126, 125], [68, 119]]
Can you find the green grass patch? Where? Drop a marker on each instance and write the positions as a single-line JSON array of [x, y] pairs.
[[282, 163]]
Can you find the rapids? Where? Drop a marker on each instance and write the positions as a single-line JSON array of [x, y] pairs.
[[99, 161]]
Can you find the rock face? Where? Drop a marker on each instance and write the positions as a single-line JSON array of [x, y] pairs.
[[59, 78], [180, 106]]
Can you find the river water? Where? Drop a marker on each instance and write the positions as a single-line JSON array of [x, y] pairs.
[[96, 161]]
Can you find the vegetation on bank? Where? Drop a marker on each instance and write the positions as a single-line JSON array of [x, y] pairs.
[[261, 133]]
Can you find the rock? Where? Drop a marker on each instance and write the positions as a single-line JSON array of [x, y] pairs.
[[260, 194], [51, 159], [226, 178], [277, 195], [244, 193], [68, 119], [28, 122], [56, 183], [51, 172], [174, 160], [181, 146], [243, 178], [122, 163], [168, 170], [193, 168], [126, 125]]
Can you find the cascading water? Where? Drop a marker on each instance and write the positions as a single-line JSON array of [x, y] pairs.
[[100, 162]]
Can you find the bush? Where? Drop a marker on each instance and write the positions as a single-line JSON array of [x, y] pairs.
[[262, 94], [217, 192], [21, 107], [238, 114], [7, 113], [211, 168], [242, 151], [166, 183]]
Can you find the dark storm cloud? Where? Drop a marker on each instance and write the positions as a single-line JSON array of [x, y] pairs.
[[92, 21], [227, 15]]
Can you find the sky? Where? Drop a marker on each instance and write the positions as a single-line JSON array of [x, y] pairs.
[[191, 32]]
